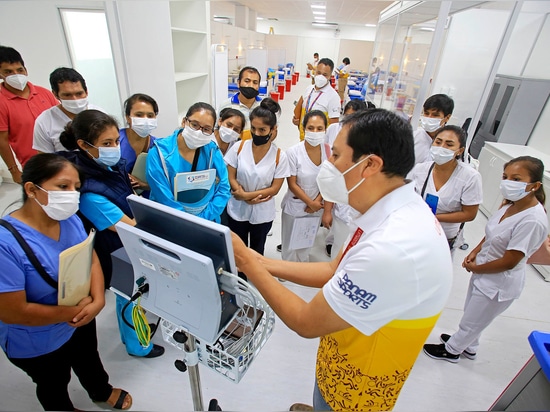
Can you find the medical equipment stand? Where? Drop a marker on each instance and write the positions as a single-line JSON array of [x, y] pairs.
[[190, 363]]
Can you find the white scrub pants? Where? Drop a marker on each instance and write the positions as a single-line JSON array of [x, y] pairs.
[[339, 232], [479, 312], [291, 255]]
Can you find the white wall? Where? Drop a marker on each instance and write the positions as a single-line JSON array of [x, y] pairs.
[[469, 50], [537, 66], [238, 41]]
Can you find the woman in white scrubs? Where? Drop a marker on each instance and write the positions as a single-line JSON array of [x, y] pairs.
[[451, 187], [498, 263], [303, 197], [257, 169]]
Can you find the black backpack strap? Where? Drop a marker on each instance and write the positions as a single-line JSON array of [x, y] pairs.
[[426, 181], [30, 254], [195, 159]]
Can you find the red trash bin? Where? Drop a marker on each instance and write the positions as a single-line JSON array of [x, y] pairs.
[[297, 76], [274, 96], [281, 90], [288, 83], [293, 79]]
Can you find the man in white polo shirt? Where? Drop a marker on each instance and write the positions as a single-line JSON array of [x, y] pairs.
[[319, 96], [69, 87], [246, 99], [384, 291]]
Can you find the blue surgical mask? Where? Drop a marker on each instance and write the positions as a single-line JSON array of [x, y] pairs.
[[108, 156]]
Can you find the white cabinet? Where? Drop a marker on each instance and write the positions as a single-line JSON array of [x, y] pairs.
[[190, 25], [492, 158]]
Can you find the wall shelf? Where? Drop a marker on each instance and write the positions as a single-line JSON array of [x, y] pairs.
[[189, 31], [183, 76]]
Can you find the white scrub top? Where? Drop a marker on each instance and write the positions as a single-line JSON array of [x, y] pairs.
[[301, 166], [252, 177], [422, 144], [462, 188], [332, 131], [524, 232]]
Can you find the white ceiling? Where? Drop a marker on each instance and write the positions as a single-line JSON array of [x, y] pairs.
[[355, 12]]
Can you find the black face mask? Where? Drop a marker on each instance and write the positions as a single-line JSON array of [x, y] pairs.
[[260, 140], [249, 92]]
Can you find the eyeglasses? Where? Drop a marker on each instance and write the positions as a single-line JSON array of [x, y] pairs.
[[206, 130]]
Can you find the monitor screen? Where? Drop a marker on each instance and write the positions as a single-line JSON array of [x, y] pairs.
[[194, 233]]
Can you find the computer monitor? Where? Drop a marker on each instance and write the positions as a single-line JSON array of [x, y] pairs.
[[202, 236], [180, 257]]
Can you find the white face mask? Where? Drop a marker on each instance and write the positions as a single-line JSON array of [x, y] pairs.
[[62, 204], [228, 135], [441, 155], [75, 106], [315, 138], [513, 190], [17, 81], [332, 183], [143, 126], [320, 81], [195, 138], [430, 124]]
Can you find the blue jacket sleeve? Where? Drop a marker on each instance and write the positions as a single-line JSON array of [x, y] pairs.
[[161, 188], [222, 191]]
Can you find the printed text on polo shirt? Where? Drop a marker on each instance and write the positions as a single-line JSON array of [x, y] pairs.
[[359, 296]]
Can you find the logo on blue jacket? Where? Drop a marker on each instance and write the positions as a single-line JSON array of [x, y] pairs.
[[359, 296]]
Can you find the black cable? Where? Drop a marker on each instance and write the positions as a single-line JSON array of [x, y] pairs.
[[141, 290]]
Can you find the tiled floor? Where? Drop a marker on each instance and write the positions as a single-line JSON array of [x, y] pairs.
[[283, 373]]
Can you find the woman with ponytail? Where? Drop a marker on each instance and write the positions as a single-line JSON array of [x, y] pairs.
[[257, 169], [497, 264]]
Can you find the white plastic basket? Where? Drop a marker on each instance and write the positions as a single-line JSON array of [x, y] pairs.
[[238, 345], [236, 348]]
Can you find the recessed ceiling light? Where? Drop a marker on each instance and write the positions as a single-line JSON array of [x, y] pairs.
[[318, 6], [370, 25], [427, 29], [325, 25], [323, 18], [320, 13]]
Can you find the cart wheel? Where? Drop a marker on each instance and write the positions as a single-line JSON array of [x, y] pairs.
[[213, 405]]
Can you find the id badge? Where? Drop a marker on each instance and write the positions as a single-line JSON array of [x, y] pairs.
[[432, 200]]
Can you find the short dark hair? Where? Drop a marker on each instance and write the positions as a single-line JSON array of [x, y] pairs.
[[535, 168], [140, 97], [326, 61], [313, 113], [88, 126], [355, 105], [66, 74], [197, 107], [231, 112], [440, 102], [315, 54], [44, 166], [383, 133], [267, 111], [10, 55], [346, 60], [248, 69]]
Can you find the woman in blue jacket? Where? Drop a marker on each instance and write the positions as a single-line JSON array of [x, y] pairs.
[[103, 200], [186, 170]]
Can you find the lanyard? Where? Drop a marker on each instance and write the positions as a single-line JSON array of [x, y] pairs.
[[308, 106], [355, 238]]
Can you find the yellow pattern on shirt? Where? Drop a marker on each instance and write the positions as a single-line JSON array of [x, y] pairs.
[[356, 372]]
